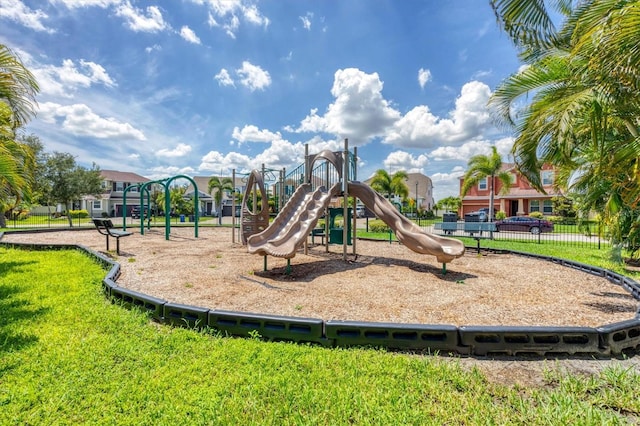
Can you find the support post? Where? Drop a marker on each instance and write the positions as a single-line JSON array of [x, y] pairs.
[[345, 198], [233, 208]]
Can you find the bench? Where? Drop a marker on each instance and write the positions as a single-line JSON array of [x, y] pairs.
[[105, 227], [474, 229], [317, 232]]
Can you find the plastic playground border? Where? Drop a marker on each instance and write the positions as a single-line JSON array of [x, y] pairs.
[[608, 340]]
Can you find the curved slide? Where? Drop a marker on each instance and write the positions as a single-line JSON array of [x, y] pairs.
[[408, 233], [291, 227]]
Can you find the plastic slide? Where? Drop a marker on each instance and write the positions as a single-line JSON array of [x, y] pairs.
[[291, 227], [408, 233]]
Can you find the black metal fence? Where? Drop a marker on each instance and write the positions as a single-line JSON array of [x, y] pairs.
[[588, 234]]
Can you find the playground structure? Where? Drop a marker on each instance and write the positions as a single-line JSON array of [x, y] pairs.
[[311, 199], [145, 208]]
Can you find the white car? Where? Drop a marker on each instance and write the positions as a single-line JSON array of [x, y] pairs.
[[360, 211]]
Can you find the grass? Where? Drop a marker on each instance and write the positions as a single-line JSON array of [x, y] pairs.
[[68, 356]]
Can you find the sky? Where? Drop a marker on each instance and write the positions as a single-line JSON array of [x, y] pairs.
[[201, 87]]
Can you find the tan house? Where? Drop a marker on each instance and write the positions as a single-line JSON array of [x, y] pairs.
[[520, 199], [112, 198], [420, 189]]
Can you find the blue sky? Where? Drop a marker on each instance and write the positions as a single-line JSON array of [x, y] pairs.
[[200, 87]]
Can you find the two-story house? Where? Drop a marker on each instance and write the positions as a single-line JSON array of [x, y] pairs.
[[112, 198], [520, 199]]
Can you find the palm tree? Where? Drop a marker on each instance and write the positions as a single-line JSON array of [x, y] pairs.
[[486, 166], [18, 87], [389, 185], [17, 166], [219, 185], [583, 111]]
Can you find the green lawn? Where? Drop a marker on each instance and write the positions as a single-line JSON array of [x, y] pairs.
[[68, 356]]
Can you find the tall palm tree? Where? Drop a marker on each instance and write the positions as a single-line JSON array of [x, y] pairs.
[[18, 87], [219, 185], [579, 104], [17, 166], [391, 185], [486, 166]]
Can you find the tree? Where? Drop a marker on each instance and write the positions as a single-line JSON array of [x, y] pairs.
[[582, 82], [17, 166], [68, 181], [486, 166], [18, 87], [219, 185], [390, 185], [450, 204]]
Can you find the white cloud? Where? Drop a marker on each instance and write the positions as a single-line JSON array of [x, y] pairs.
[[474, 147], [17, 11], [97, 73], [138, 21], [214, 161], [420, 128], [424, 76], [250, 133], [162, 172], [253, 77], [66, 79], [224, 79], [461, 153], [447, 184], [179, 151], [72, 4], [359, 111], [227, 14], [401, 160], [188, 34], [306, 20], [80, 120]]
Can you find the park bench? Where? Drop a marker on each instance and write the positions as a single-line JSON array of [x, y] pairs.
[[476, 230], [105, 227], [317, 232]]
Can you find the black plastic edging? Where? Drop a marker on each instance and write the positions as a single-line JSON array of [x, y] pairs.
[[443, 338], [611, 339], [534, 340], [273, 327]]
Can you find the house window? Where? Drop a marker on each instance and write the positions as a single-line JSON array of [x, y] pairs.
[[97, 205], [547, 177], [105, 184], [482, 184], [513, 178], [534, 206], [119, 186], [547, 207]]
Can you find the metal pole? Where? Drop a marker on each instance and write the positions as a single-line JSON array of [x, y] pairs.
[[345, 198], [233, 206], [355, 217]]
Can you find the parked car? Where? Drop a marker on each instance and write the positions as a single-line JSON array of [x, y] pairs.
[[524, 224], [482, 215], [359, 211], [135, 212]]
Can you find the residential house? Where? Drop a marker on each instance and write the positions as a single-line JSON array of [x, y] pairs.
[[112, 199], [207, 202], [520, 200], [420, 189]]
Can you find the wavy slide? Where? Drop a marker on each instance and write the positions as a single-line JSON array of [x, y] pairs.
[[408, 233], [291, 227]]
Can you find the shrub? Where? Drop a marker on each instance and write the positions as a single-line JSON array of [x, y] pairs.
[[378, 226], [78, 214], [537, 215], [19, 214], [500, 215]]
